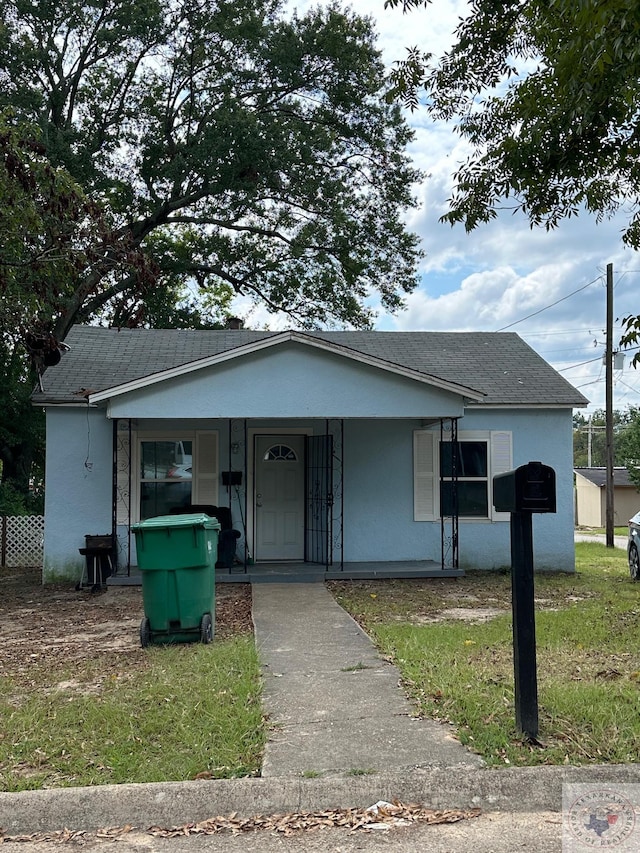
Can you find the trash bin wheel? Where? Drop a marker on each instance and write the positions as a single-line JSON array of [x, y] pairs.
[[634, 563], [145, 633], [206, 629]]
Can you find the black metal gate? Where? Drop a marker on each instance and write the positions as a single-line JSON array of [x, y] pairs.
[[449, 524], [319, 500]]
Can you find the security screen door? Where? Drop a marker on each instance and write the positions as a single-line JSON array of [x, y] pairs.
[[279, 497]]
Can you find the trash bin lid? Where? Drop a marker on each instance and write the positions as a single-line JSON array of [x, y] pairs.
[[199, 519]]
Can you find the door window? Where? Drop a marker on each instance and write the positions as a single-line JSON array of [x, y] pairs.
[[280, 453]]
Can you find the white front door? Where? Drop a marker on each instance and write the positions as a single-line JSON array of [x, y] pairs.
[[279, 497]]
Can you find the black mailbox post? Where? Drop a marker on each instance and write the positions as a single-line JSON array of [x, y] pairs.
[[528, 489]]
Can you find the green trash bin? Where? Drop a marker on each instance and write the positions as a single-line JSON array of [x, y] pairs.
[[177, 559]]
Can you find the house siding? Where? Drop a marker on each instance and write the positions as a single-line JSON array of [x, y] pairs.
[[378, 495], [378, 475], [291, 382], [78, 480], [377, 481], [538, 435]]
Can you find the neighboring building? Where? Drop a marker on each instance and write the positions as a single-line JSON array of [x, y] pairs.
[[336, 452], [591, 497]]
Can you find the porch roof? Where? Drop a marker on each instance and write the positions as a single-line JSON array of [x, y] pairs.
[[486, 368]]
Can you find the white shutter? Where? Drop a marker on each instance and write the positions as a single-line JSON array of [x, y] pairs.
[[205, 469], [423, 475], [501, 461]]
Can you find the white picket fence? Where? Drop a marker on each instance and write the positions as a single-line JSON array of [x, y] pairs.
[[21, 540]]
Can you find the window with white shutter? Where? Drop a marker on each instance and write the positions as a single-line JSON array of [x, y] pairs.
[[481, 455], [472, 481]]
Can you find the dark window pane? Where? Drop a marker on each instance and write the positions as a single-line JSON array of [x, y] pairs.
[[473, 500], [446, 469], [161, 498], [162, 459], [472, 459]]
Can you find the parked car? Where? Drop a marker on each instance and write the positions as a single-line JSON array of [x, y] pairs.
[[633, 547], [180, 472]]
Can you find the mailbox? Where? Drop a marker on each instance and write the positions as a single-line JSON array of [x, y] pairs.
[[529, 488]]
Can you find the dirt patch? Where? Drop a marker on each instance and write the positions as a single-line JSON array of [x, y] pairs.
[[56, 625], [429, 600], [475, 615]]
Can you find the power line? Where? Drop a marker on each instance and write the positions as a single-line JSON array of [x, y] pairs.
[[557, 302], [590, 361], [558, 332], [630, 387]]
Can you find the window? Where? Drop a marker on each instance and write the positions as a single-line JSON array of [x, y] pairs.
[[176, 470], [481, 455], [166, 474], [473, 484], [280, 453]]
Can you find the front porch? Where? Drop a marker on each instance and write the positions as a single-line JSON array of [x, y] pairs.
[[337, 501], [299, 572]]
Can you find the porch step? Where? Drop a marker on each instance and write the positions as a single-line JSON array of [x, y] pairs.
[[307, 573]]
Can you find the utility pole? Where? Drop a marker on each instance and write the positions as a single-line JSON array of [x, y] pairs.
[[609, 409]]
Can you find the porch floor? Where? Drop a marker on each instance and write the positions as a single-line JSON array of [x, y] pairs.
[[308, 572]]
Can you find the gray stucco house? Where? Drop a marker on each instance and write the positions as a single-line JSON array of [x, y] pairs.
[[338, 454]]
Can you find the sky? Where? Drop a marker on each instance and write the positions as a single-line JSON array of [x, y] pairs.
[[549, 287]]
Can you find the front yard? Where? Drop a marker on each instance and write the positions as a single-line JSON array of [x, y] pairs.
[[452, 640], [83, 704]]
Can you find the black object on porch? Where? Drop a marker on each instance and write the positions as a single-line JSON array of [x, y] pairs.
[[227, 537]]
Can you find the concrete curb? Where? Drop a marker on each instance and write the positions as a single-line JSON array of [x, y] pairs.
[[527, 789]]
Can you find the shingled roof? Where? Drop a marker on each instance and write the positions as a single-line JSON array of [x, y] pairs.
[[499, 365], [598, 476]]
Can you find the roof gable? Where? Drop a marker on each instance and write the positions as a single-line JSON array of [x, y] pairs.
[[278, 340]]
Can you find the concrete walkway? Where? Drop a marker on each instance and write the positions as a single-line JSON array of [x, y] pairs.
[[334, 706]]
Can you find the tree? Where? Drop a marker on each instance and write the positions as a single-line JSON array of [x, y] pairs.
[[51, 236], [546, 93], [49, 233], [589, 435], [629, 446], [226, 145]]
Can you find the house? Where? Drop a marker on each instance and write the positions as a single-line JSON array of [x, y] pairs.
[[591, 497], [339, 454]]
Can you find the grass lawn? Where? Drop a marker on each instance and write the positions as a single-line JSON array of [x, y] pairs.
[[194, 711], [452, 641], [81, 703]]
